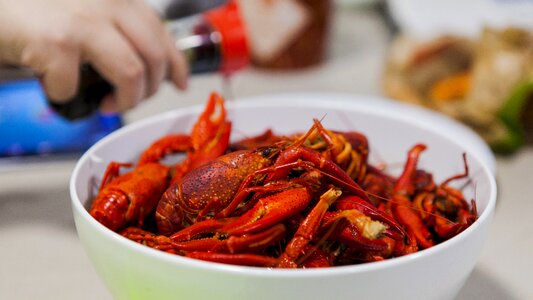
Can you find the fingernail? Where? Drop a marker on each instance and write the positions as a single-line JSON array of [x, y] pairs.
[[109, 105], [183, 84]]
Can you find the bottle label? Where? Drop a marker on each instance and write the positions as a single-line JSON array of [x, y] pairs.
[[273, 25]]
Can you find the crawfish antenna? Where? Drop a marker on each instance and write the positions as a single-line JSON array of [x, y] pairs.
[[459, 176], [298, 142]]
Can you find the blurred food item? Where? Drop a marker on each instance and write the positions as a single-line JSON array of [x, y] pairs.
[[287, 34], [485, 83], [429, 19], [416, 70]]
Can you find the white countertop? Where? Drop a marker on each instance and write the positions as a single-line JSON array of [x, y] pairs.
[[42, 258]]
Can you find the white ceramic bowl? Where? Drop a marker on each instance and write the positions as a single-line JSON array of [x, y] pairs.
[[133, 271]]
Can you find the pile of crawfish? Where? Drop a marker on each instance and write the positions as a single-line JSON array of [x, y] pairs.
[[299, 201]]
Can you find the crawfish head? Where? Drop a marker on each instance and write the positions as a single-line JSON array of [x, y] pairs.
[[210, 187]]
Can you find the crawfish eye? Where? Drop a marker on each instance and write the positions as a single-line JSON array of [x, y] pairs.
[[268, 152]]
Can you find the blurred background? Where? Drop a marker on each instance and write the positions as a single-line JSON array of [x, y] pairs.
[[470, 60]]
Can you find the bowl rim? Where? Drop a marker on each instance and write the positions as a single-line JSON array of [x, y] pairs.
[[366, 104]]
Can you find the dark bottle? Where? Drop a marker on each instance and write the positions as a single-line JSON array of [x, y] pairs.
[[215, 41]]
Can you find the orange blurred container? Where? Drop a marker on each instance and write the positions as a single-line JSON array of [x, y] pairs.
[[287, 34]]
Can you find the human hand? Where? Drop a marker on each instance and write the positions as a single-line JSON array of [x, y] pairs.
[[124, 40]]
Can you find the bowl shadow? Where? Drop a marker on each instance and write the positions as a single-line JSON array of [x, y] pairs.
[[482, 285]]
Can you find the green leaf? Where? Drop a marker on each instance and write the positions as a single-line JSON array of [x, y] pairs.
[[510, 116]]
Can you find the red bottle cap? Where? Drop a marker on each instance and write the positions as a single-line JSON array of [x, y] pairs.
[[234, 40]]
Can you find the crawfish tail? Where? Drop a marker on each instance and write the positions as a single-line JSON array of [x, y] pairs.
[[129, 198]]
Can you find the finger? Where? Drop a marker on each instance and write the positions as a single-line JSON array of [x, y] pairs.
[[141, 26], [61, 75], [178, 70], [116, 60], [55, 59], [109, 105]]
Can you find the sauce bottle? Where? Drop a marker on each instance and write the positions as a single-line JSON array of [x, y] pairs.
[[214, 41]]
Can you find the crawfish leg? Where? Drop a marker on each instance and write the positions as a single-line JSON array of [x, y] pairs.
[[244, 259], [270, 210], [404, 185], [411, 220], [210, 135], [166, 145], [458, 176], [209, 138], [209, 122], [149, 239], [112, 171], [402, 207], [246, 243], [307, 229]]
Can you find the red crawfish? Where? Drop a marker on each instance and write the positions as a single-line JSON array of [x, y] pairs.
[[444, 209], [127, 199], [241, 239], [223, 241], [210, 189], [348, 149], [276, 196], [362, 217], [430, 213]]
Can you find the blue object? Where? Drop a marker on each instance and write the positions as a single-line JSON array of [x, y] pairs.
[[29, 127]]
